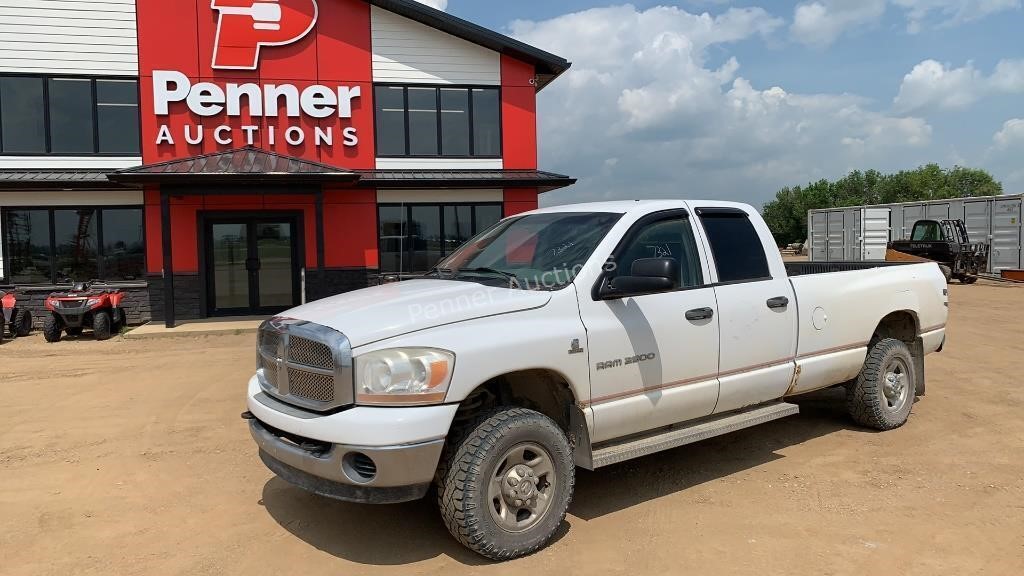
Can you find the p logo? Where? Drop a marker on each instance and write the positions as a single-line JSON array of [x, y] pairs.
[[246, 26]]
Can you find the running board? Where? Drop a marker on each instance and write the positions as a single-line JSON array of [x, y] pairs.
[[676, 437]]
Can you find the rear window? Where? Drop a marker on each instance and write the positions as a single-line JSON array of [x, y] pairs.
[[735, 245]]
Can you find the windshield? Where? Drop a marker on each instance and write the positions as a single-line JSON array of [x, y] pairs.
[[927, 231], [535, 252]]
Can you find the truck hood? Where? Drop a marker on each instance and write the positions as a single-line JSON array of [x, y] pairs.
[[374, 314]]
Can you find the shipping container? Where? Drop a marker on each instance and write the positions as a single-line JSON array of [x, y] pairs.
[[862, 232]]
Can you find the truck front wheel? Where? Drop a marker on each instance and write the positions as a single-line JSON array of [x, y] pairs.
[[507, 484], [884, 393]]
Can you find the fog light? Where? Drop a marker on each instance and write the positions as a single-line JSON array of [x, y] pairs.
[[359, 467]]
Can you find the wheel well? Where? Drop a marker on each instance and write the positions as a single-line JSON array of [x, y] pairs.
[[545, 391], [900, 325]]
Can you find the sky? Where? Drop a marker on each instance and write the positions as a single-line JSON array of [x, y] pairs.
[[733, 100]]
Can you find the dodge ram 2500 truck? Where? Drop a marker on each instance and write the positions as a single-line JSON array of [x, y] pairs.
[[577, 336]]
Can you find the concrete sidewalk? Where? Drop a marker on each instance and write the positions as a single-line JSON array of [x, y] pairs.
[[205, 327]]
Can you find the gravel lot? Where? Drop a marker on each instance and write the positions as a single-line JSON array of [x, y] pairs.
[[129, 457]]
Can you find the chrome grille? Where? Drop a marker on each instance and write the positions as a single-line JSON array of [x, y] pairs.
[[269, 372], [270, 342], [316, 387], [305, 364], [309, 353]]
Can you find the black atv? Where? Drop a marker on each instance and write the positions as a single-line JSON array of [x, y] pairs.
[[18, 320], [947, 243]]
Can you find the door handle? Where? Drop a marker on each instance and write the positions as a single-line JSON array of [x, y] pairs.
[[700, 314], [778, 303]]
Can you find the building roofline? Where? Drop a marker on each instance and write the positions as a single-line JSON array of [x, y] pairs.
[[549, 66]]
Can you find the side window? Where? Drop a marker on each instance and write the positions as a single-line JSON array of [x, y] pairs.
[[670, 238], [737, 249]]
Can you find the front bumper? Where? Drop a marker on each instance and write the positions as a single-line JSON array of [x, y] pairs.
[[402, 473], [330, 454]]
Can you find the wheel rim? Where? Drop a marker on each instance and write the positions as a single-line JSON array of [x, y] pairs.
[[896, 385], [521, 487]]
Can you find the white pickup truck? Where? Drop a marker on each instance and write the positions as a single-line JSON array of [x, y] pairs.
[[577, 336]]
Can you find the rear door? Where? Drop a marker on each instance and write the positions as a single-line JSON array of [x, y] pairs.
[[1006, 234], [875, 233], [649, 365], [757, 309]]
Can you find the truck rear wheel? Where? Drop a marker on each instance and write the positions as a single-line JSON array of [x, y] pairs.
[[507, 484], [101, 325], [884, 393], [52, 328]]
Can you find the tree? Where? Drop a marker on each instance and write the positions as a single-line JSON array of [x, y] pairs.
[[787, 214]]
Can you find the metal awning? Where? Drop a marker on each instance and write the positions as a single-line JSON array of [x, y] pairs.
[[411, 179], [237, 166], [255, 166], [55, 179]]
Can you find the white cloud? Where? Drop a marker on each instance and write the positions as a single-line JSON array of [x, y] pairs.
[[950, 12], [933, 85], [647, 111], [1006, 151], [1011, 136], [822, 22], [439, 4]]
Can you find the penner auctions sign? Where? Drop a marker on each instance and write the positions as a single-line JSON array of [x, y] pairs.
[[244, 28], [212, 100]]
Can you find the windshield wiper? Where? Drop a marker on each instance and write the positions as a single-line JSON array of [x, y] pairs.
[[512, 278]]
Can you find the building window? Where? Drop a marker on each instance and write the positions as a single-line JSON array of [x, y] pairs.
[[69, 116], [415, 237], [22, 115], [438, 122], [53, 245]]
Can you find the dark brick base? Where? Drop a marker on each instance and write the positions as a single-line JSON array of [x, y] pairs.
[[188, 297], [136, 302], [188, 290], [337, 281]]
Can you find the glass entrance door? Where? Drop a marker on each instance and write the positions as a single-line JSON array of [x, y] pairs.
[[253, 265], [230, 247]]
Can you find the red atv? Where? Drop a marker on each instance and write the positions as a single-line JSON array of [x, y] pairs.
[[81, 308], [19, 320]]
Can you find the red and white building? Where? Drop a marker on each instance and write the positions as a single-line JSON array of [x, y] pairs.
[[235, 157]]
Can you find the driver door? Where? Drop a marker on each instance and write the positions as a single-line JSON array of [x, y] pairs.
[[650, 366]]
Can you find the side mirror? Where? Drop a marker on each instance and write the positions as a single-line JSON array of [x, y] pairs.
[[647, 276]]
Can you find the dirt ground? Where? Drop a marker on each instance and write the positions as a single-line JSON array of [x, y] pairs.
[[129, 457]]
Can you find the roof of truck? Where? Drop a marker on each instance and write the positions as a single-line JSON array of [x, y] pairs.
[[645, 206]]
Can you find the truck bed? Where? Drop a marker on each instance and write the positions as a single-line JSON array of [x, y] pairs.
[[808, 268]]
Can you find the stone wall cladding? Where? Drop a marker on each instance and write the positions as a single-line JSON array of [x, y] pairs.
[[337, 281], [188, 297]]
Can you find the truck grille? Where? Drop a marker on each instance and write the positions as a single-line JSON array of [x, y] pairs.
[[310, 353], [315, 387], [305, 364]]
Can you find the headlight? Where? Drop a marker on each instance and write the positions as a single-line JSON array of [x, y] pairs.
[[403, 376], [93, 302]]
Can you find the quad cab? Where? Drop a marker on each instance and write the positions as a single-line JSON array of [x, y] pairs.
[[947, 243], [17, 320], [84, 307], [578, 337]]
